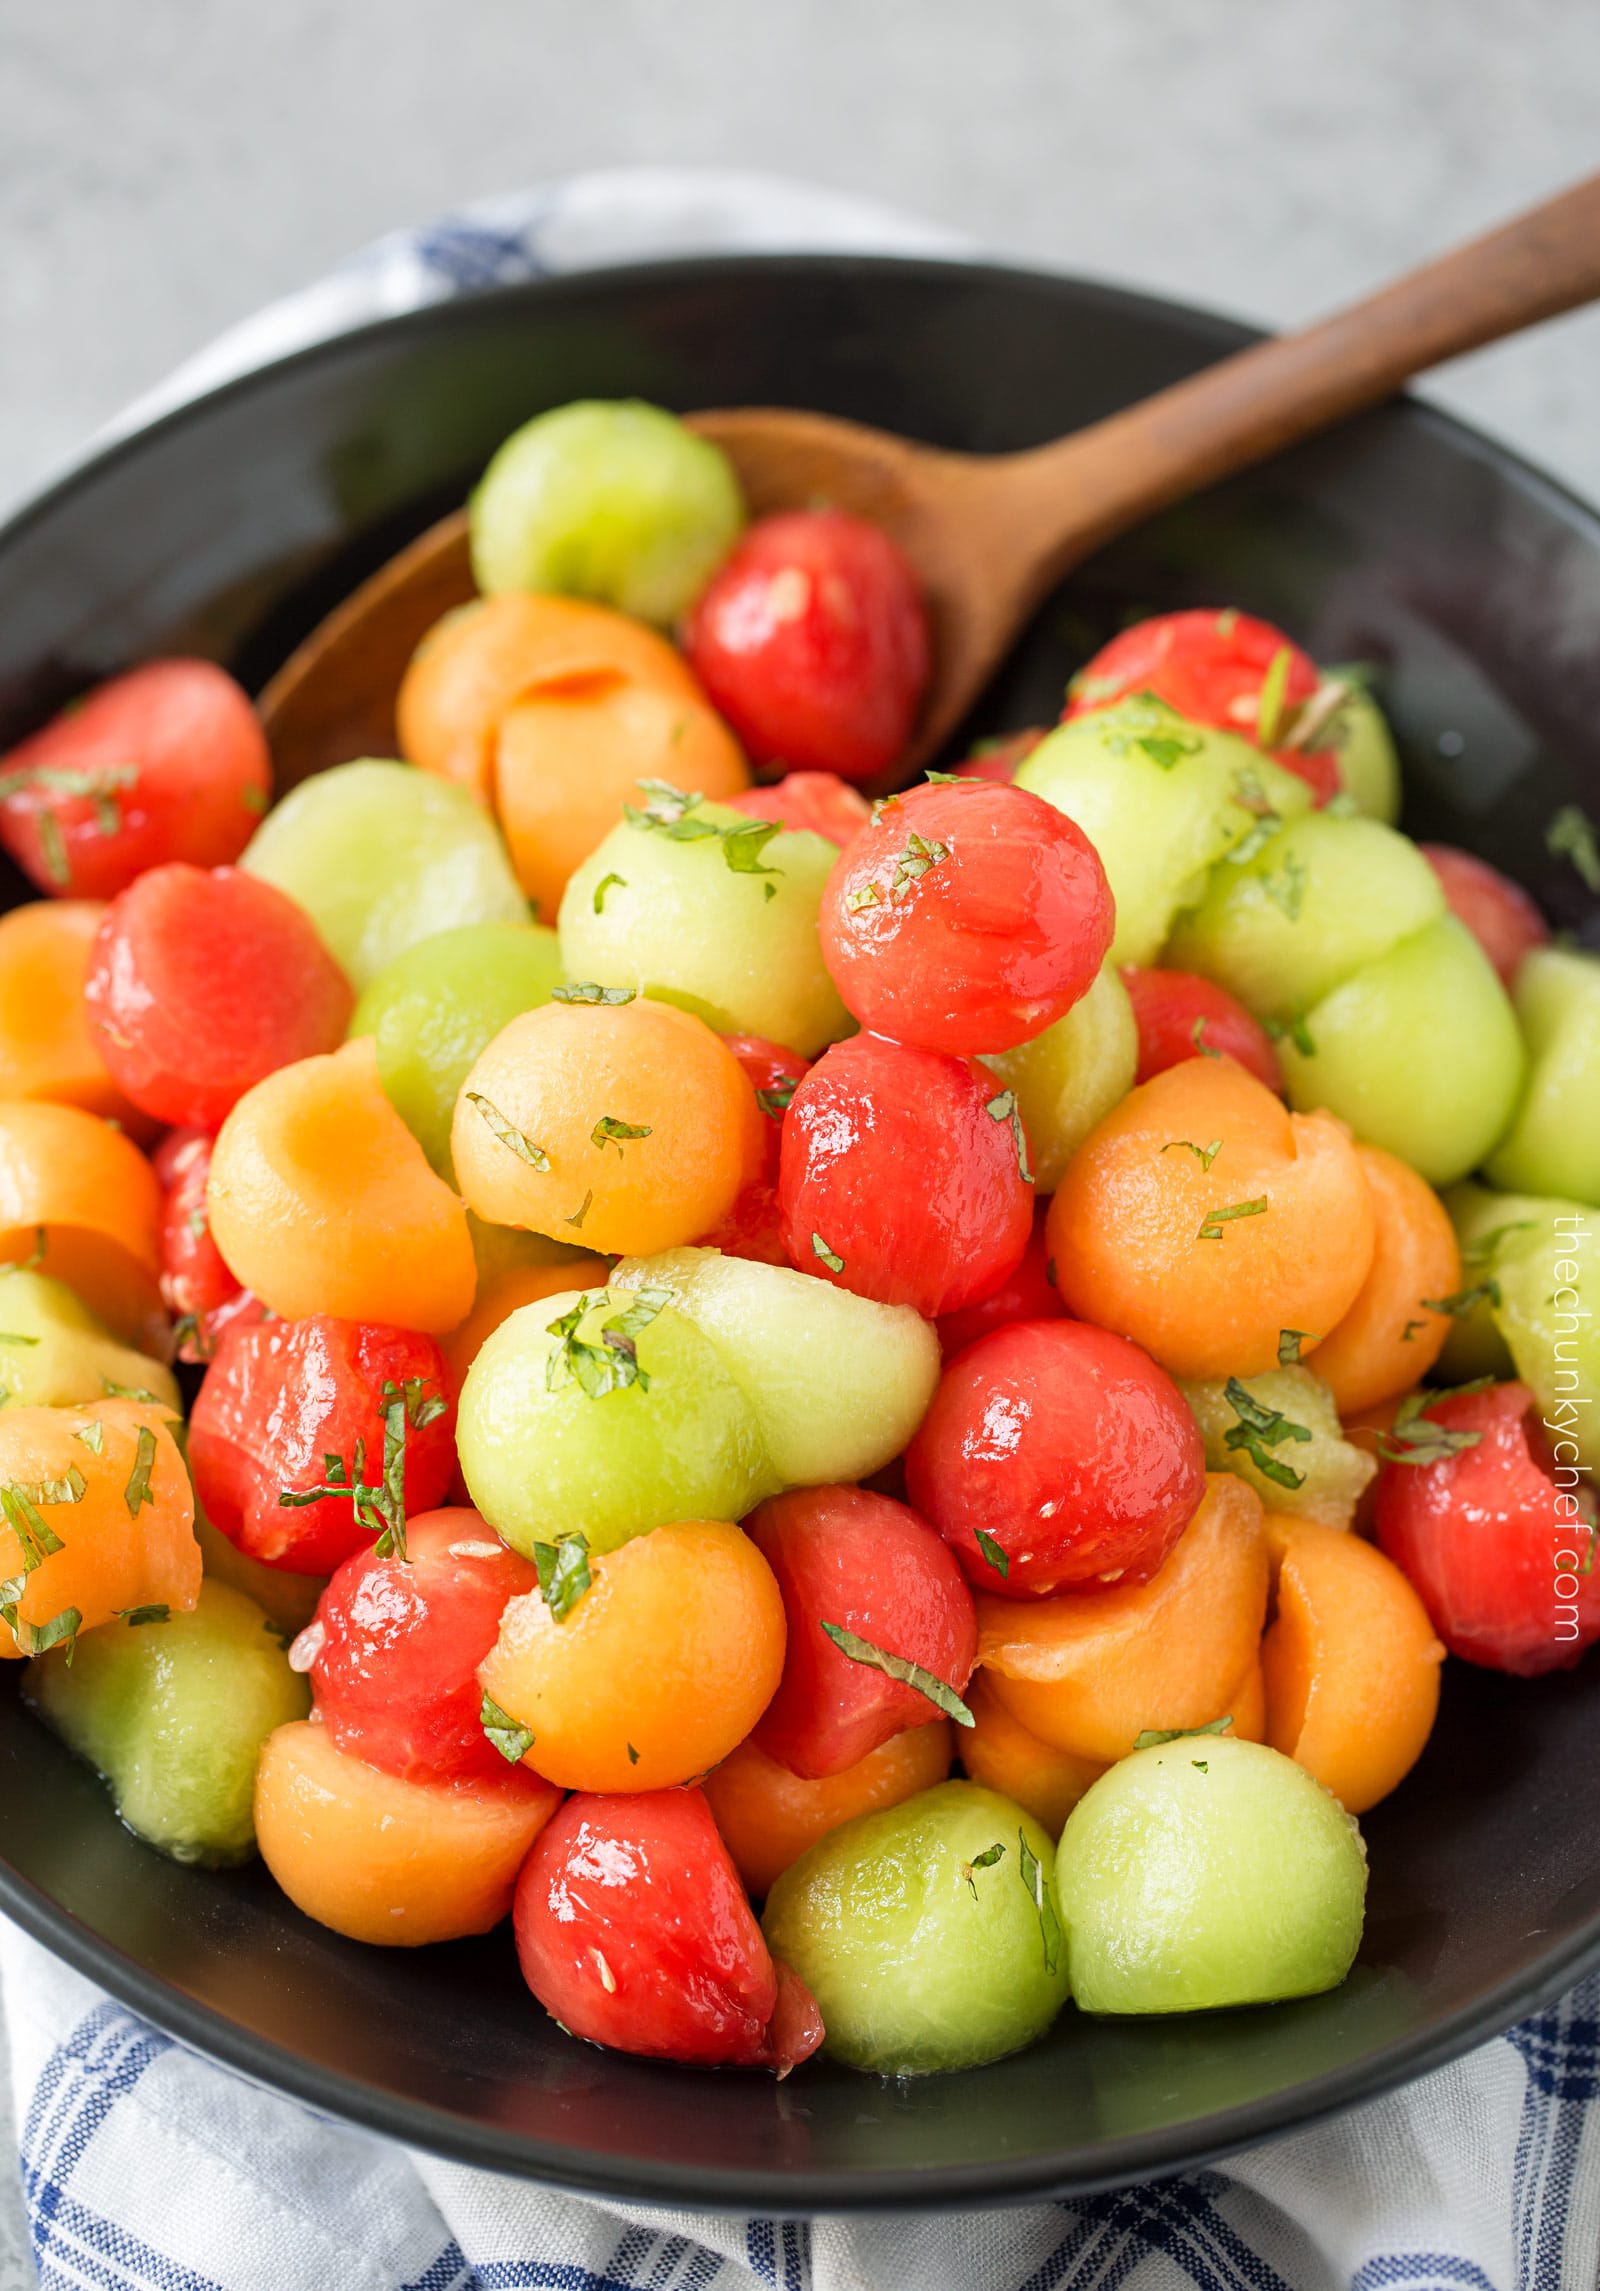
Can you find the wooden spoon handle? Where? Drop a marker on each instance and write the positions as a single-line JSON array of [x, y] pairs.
[[1085, 488]]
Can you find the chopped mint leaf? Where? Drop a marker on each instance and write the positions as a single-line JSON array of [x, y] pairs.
[[1274, 692], [563, 1572], [864, 895], [911, 1674], [1154, 1737], [830, 1257], [603, 886], [1197, 1035], [1285, 886], [137, 1491], [507, 1132], [1289, 1342], [1205, 1154], [1216, 1219], [608, 1130], [775, 1101], [1261, 1429], [1004, 1109], [510, 1739], [1464, 1302], [1414, 1438], [93, 1436], [154, 1613], [1031, 1870], [586, 990], [993, 1552], [984, 1860], [582, 1210]]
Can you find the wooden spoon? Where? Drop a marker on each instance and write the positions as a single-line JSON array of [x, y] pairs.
[[989, 536]]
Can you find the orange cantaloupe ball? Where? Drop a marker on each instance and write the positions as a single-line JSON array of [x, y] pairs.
[[480, 659], [769, 1817], [1351, 1662], [1390, 1337], [567, 760], [1201, 1219], [1090, 1672], [502, 1294], [382, 1859], [46, 1047], [660, 1669], [91, 1193], [529, 1144], [1004, 1755], [322, 1201], [127, 1537]]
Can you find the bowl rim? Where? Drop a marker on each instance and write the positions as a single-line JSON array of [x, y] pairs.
[[1116, 2161]]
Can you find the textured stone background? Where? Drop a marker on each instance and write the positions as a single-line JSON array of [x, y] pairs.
[[167, 166]]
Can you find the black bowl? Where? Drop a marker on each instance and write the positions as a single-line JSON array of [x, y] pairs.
[[1468, 580]]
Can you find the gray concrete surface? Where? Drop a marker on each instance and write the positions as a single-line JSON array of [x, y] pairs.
[[166, 167]]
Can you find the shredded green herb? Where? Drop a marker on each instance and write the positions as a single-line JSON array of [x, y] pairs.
[[911, 1674], [984, 1860], [612, 1365], [608, 1130], [563, 1572], [776, 1100], [586, 990], [1216, 1219], [1571, 835], [1274, 692], [993, 1552], [603, 886], [1204, 1154], [830, 1257], [507, 1132], [1414, 1438], [1004, 1109], [1259, 1430], [1154, 1737], [582, 1210], [154, 1613], [510, 1739], [1463, 1303], [1289, 1342], [137, 1491], [1031, 1870]]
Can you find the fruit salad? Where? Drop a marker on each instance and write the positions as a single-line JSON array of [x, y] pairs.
[[872, 1409]]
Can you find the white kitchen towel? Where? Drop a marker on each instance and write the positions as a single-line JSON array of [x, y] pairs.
[[146, 2168]]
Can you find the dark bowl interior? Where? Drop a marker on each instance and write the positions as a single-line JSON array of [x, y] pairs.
[[1470, 582]]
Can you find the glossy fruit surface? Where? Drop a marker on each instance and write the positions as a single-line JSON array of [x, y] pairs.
[[47, 1049], [396, 1643], [966, 918], [812, 640], [837, 1383], [1089, 1673], [1374, 1052], [436, 1008], [1350, 1661], [1208, 1872], [1201, 1220], [557, 1426], [1068, 1078], [1279, 1432], [1053, 1455], [1553, 1144], [282, 1398], [1001, 1753], [868, 1112], [107, 1526], [693, 903], [1028, 1294], [173, 1710], [818, 801], [1496, 1532], [75, 1188], [54, 1351], [166, 762], [655, 1670], [847, 1561], [322, 1201], [1322, 898], [753, 1227], [1395, 1330], [925, 1947], [626, 1126], [380, 856], [1180, 1015], [1162, 800], [606, 498], [633, 1930], [768, 1817], [387, 1861], [1209, 666], [198, 1288], [203, 982]]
